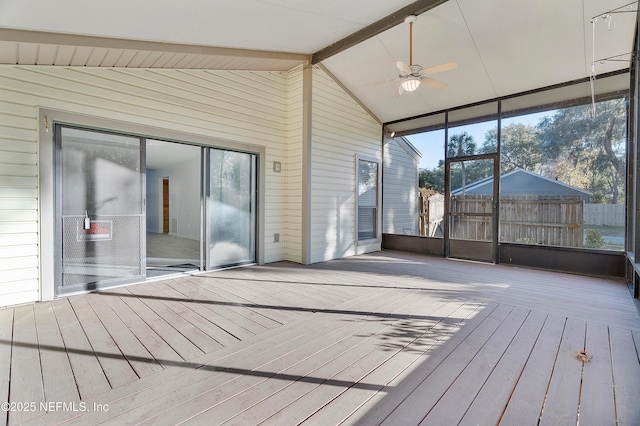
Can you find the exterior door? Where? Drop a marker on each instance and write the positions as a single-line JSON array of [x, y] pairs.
[[99, 209], [471, 207]]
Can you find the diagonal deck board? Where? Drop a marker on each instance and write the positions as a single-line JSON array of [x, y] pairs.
[[115, 365], [87, 370], [386, 337]]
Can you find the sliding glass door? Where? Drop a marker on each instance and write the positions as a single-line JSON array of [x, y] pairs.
[[128, 208]]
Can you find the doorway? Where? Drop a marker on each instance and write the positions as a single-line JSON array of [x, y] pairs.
[[173, 211], [471, 207], [129, 208]]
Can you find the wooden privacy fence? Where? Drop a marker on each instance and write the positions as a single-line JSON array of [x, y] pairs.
[[431, 214], [604, 214], [552, 220]]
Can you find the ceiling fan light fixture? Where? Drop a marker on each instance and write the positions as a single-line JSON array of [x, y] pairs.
[[410, 84]]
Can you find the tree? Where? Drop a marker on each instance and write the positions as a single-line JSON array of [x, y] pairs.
[[591, 142], [520, 147], [460, 145], [432, 179]]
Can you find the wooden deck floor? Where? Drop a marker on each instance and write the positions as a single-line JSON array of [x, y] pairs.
[[388, 338]]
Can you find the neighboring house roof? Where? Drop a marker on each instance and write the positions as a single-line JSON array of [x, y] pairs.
[[523, 182], [406, 145]]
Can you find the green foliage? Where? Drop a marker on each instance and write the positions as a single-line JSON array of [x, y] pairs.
[[588, 148], [594, 239], [432, 179], [461, 144], [520, 147]]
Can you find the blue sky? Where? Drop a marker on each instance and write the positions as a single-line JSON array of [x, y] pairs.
[[431, 144]]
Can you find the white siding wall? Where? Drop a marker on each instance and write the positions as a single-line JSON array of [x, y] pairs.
[[242, 107], [18, 201], [340, 130], [400, 189]]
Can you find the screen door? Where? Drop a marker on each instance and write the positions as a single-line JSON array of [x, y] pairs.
[[99, 209]]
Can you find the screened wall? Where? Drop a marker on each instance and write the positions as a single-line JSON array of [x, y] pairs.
[[560, 173]]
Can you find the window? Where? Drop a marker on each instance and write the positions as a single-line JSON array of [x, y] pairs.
[[367, 199]]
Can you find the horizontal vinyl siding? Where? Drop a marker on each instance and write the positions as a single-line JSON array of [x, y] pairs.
[[239, 107], [399, 190], [18, 203], [340, 130]]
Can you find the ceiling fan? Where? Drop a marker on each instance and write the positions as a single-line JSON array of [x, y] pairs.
[[412, 75]]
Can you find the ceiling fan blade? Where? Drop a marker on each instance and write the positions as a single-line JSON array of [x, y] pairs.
[[439, 68], [404, 68], [383, 81], [433, 83], [398, 92]]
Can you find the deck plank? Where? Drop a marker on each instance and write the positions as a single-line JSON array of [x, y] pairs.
[[283, 353], [217, 314], [525, 404], [169, 332], [87, 370], [57, 375], [185, 304], [453, 404], [6, 336], [26, 376], [247, 302], [123, 401], [563, 396], [199, 386], [597, 407], [413, 409], [140, 359], [378, 408], [364, 339], [271, 392], [626, 374], [181, 323], [114, 364], [229, 311], [492, 399], [153, 343], [330, 405]]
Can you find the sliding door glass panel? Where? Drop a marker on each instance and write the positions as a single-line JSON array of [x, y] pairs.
[[100, 208], [231, 210]]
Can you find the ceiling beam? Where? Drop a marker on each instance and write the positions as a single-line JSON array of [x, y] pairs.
[[390, 21]]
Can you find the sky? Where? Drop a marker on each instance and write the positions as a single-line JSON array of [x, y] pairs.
[[431, 144]]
